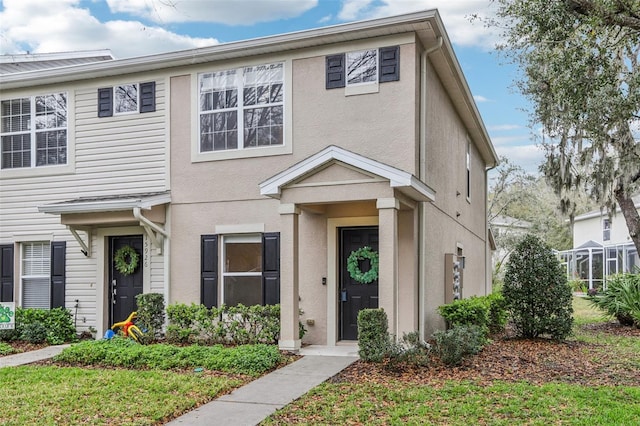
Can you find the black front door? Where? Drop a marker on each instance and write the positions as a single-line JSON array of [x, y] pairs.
[[353, 295], [124, 288]]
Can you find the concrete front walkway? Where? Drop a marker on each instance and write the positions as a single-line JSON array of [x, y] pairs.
[[31, 356], [255, 401]]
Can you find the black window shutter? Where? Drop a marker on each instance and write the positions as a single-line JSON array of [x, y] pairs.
[[148, 96], [105, 102], [335, 71], [271, 268], [6, 273], [209, 270], [58, 267], [389, 64]]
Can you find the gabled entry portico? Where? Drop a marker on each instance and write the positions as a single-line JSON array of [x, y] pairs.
[[343, 189]]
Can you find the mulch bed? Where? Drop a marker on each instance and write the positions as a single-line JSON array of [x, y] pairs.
[[509, 359]]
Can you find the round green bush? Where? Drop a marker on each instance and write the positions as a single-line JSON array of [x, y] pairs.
[[536, 293]]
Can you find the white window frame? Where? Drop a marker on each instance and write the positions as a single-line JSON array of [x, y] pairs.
[[26, 275], [237, 80], [33, 131], [237, 238], [606, 229], [116, 104]]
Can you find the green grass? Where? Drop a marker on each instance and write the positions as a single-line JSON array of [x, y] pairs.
[[51, 395], [456, 403], [584, 313]]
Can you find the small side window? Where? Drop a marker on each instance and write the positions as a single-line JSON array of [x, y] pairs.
[[125, 99]]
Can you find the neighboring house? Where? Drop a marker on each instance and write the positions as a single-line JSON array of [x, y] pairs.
[[602, 247], [506, 231], [283, 156]]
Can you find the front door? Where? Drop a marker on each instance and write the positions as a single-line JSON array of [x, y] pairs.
[[353, 295], [124, 288]]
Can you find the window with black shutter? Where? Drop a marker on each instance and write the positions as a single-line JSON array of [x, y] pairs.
[[363, 67], [209, 270], [6, 273], [127, 99], [249, 272], [58, 274]]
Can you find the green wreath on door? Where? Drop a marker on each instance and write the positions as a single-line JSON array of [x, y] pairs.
[[353, 265], [126, 260]]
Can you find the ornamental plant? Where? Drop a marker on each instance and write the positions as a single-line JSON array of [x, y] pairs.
[[373, 334], [621, 299], [536, 293]]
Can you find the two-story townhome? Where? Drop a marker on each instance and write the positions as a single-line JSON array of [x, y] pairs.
[[327, 170], [602, 246], [84, 172]]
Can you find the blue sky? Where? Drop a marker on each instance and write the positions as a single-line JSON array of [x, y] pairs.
[[140, 27]]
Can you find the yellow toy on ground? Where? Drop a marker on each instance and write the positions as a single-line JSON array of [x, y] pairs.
[[128, 328]]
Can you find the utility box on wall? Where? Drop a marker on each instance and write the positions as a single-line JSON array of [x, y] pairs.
[[453, 273]]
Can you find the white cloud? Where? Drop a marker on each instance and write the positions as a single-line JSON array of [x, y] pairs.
[[246, 12], [504, 127], [455, 15], [529, 157], [62, 25], [479, 98]]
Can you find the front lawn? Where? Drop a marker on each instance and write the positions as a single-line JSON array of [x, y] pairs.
[[591, 379], [53, 395], [118, 382]]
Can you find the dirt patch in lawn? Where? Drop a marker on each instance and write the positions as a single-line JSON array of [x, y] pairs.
[[507, 358]]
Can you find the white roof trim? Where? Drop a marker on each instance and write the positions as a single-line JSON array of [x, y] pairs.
[[107, 204], [404, 181], [37, 57]]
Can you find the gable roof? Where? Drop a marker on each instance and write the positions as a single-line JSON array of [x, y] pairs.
[[426, 25], [404, 181]]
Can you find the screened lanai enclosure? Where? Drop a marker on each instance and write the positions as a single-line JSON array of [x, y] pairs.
[[592, 263]]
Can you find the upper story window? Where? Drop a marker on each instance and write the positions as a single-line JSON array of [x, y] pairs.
[[606, 229], [127, 99], [241, 108], [34, 131], [363, 67]]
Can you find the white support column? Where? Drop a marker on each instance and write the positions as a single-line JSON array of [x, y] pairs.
[[289, 291], [388, 249]]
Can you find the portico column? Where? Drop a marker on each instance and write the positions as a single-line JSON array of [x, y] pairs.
[[388, 250], [289, 292]]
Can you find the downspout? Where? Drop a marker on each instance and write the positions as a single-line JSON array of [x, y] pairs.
[[423, 174]]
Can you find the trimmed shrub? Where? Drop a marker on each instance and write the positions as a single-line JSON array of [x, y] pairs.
[[236, 325], [487, 312], [150, 314], [373, 334], [454, 344], [536, 292], [621, 299], [54, 326]]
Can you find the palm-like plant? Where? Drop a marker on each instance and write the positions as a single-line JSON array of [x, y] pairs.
[[621, 299]]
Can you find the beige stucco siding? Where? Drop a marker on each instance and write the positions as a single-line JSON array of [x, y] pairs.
[[453, 221]]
